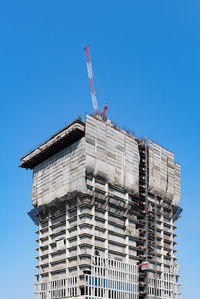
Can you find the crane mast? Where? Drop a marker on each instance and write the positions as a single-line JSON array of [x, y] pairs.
[[91, 80]]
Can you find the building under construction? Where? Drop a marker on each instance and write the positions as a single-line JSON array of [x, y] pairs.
[[105, 203]]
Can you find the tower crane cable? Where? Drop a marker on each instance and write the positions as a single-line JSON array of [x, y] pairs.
[[99, 87]]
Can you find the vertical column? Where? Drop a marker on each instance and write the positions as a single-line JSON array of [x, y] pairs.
[[106, 236], [172, 240], [93, 218], [50, 239], [93, 230], [106, 222], [67, 242], [127, 237], [39, 250], [155, 245], [162, 248], [78, 247], [93, 237], [146, 218]]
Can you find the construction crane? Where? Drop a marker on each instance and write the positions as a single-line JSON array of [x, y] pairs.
[[103, 113], [92, 88]]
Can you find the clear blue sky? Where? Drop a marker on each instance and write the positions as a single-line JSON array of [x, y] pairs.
[[146, 56]]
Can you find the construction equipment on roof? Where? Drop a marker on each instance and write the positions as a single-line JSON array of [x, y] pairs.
[[92, 87]]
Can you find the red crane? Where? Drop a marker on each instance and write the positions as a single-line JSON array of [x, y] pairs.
[[92, 88], [103, 113]]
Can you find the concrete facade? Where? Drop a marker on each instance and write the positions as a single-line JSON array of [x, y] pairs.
[[106, 203]]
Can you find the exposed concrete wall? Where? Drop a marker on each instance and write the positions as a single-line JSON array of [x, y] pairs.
[[107, 153], [59, 175], [104, 152], [177, 184], [164, 173], [112, 155]]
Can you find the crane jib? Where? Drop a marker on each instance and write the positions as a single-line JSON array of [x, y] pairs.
[[91, 80]]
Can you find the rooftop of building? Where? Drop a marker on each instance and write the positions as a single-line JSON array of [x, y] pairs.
[[71, 133], [61, 139]]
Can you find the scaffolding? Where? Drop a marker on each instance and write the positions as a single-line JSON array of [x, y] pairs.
[[154, 282], [102, 190]]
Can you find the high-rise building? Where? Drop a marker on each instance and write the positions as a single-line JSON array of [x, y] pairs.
[[105, 203]]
